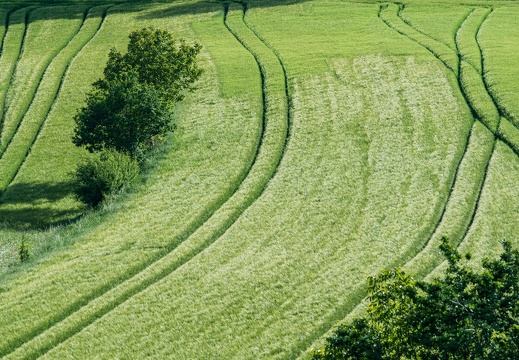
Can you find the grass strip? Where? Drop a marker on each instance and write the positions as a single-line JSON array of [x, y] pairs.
[[477, 96], [4, 20], [11, 50], [37, 54], [465, 38], [496, 39], [437, 22], [389, 14], [46, 95], [461, 205], [254, 184], [509, 134]]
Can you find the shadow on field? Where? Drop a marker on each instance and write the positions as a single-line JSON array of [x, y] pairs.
[[26, 206], [177, 8], [201, 7]]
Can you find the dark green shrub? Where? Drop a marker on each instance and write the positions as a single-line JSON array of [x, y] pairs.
[[24, 251], [108, 172]]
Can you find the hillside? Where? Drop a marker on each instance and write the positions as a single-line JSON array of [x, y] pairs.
[[327, 140]]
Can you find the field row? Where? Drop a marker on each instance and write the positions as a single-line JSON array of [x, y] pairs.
[[255, 178], [313, 154]]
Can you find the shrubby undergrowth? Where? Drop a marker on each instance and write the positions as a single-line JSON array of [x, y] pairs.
[[106, 173], [465, 315]]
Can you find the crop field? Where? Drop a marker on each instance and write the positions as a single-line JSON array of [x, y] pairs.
[[326, 140]]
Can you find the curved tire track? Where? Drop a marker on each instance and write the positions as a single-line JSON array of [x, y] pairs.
[[36, 127], [25, 12], [85, 312], [18, 120], [421, 256]]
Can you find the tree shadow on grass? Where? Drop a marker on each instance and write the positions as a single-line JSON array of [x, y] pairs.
[[201, 7], [32, 206]]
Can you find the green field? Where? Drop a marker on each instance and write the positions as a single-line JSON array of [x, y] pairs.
[[326, 140]]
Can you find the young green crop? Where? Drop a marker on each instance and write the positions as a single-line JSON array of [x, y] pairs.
[[41, 43], [343, 146], [277, 279]]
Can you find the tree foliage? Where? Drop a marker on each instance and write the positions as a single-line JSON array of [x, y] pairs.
[[104, 174], [134, 101], [124, 115], [464, 315]]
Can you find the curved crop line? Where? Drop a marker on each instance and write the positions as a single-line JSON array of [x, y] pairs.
[[13, 70], [4, 352], [287, 84], [360, 293], [10, 137], [85, 312], [56, 93], [401, 8], [474, 115], [502, 110], [12, 176], [427, 47], [6, 28]]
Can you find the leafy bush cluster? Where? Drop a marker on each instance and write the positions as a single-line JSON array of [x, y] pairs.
[[107, 173], [131, 107], [465, 315]]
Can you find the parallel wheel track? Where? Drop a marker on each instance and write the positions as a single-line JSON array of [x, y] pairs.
[[89, 309], [10, 137], [54, 96], [495, 134]]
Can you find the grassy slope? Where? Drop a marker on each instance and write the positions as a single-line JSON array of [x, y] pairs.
[[224, 132], [39, 196], [362, 145], [376, 130]]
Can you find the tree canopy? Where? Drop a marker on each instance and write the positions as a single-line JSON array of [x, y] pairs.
[[464, 315], [134, 101]]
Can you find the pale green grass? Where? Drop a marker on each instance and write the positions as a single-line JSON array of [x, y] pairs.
[[500, 56], [496, 219], [213, 146], [41, 44], [497, 216], [376, 154], [462, 201], [274, 281], [10, 52], [438, 22]]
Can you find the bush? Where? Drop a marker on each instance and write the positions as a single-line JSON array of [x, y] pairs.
[[24, 251], [466, 314], [108, 172]]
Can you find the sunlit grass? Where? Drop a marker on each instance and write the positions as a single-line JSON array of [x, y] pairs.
[[40, 45], [362, 145], [256, 230], [187, 185]]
